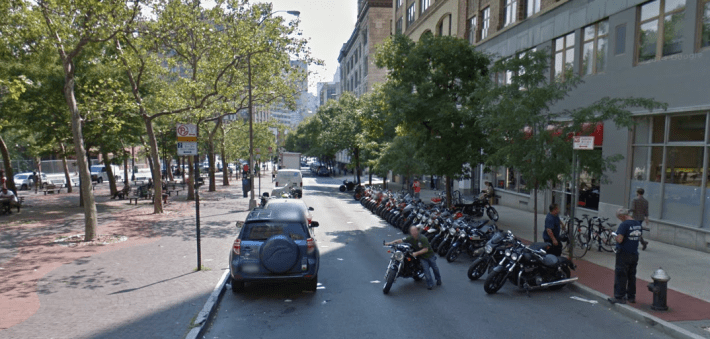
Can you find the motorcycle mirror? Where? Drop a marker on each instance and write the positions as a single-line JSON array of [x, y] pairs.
[[383, 243], [311, 209], [314, 224]]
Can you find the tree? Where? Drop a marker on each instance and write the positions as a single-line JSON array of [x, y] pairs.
[[433, 91], [534, 139], [70, 27]]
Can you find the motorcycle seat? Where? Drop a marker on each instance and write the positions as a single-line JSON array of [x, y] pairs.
[[550, 260], [536, 246]]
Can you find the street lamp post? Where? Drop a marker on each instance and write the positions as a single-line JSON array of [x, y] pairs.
[[252, 201]]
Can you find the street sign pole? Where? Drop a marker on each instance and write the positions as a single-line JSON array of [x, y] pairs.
[[187, 146], [197, 206], [579, 143]]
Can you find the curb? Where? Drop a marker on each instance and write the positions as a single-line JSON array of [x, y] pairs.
[[209, 308], [635, 314]]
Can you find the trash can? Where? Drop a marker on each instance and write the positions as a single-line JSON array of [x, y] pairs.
[[245, 187]]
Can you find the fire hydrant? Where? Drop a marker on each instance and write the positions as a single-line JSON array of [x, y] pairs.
[[659, 288]]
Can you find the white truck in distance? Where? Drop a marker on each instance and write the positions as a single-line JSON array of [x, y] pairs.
[[291, 160]]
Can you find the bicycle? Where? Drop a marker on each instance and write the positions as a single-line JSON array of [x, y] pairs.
[[580, 247], [596, 231]]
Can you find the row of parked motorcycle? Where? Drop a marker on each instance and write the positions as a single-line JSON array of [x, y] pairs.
[[453, 230]]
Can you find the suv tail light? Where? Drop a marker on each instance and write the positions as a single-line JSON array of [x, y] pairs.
[[301, 183], [237, 248], [277, 184], [311, 244]]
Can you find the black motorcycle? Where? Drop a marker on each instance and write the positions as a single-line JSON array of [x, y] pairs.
[[478, 207], [470, 239], [347, 185], [402, 265], [530, 267], [493, 253]]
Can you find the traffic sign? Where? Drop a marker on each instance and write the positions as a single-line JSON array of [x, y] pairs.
[[583, 143], [186, 132], [186, 148]]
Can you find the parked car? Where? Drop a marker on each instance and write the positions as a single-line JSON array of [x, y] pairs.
[[275, 244], [323, 171], [99, 174], [22, 180]]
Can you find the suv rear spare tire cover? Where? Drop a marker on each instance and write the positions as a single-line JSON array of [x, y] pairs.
[[279, 253]]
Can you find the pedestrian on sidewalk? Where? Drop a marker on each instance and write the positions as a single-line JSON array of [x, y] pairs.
[[639, 209], [551, 234], [417, 188], [627, 258], [423, 251]]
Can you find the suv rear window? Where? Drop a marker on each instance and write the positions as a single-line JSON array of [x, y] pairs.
[[263, 231]]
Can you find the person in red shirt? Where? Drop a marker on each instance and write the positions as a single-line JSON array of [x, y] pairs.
[[417, 188]]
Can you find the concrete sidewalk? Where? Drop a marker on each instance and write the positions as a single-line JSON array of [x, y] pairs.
[[689, 287], [144, 287]]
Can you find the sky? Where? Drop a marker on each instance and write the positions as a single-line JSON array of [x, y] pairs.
[[327, 24]]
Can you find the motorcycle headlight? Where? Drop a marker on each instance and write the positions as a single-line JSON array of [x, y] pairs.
[[419, 216], [508, 252], [462, 233], [452, 231], [489, 249], [514, 256], [436, 221], [399, 256]]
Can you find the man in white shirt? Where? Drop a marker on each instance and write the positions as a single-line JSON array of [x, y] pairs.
[[7, 200]]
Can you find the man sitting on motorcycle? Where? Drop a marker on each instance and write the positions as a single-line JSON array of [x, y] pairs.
[[423, 251]]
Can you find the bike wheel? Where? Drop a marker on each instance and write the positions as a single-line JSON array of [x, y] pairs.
[[443, 249], [581, 242], [608, 242], [477, 269], [494, 282], [389, 280], [492, 213], [452, 254]]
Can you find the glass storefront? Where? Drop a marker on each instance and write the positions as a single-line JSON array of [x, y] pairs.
[[669, 162]]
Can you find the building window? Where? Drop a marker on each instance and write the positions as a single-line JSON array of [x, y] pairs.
[[660, 16], [620, 45], [533, 7], [510, 11], [486, 15], [594, 48], [668, 162], [365, 66], [398, 4], [410, 15], [398, 26], [705, 23], [423, 5], [564, 57], [472, 28]]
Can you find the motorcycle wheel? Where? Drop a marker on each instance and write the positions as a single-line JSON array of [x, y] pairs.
[[435, 244], [477, 269], [452, 254], [342, 188], [389, 281], [492, 213], [443, 249], [565, 274], [357, 196], [494, 282]]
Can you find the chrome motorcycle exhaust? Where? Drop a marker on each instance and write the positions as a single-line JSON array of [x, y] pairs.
[[559, 282]]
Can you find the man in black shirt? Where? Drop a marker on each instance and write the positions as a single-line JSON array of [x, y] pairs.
[[627, 258]]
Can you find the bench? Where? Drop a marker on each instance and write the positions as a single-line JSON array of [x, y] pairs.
[[122, 194], [18, 204], [176, 191], [51, 188]]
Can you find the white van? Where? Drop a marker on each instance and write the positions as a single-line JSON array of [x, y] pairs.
[[286, 177], [99, 174]]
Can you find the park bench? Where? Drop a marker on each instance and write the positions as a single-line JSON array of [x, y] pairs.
[[52, 188], [176, 191], [122, 194], [17, 205]]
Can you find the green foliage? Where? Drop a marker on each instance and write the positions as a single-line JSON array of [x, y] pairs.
[[432, 95]]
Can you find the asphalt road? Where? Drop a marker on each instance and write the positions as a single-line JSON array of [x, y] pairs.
[[350, 302]]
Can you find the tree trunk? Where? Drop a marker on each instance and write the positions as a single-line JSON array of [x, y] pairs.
[[190, 179], [38, 182], [10, 183], [210, 156], [67, 177], [109, 174], [182, 169], [535, 213], [357, 163], [154, 161], [125, 170], [82, 164], [449, 184], [225, 164], [384, 182], [169, 169]]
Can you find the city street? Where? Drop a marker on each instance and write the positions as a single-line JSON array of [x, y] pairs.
[[350, 302]]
